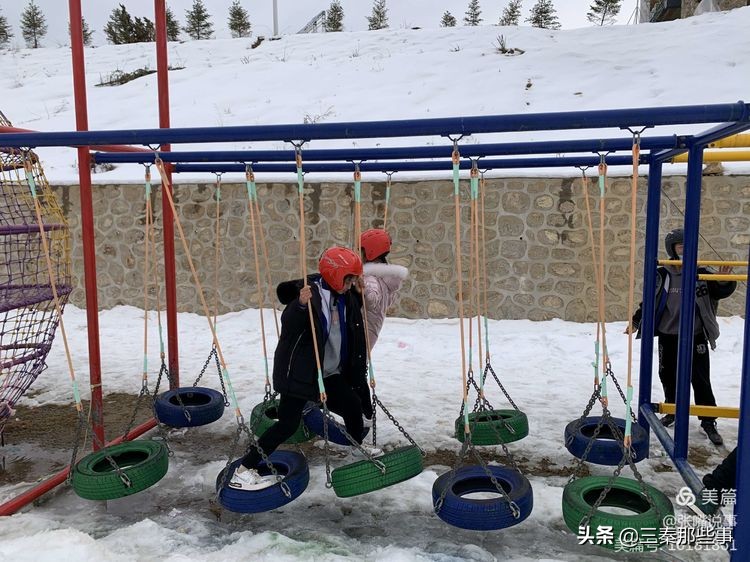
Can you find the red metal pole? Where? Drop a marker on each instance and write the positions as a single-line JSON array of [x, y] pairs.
[[87, 222], [11, 506], [170, 270]]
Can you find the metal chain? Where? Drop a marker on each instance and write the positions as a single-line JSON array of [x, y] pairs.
[[590, 444], [328, 418], [507, 452], [457, 465], [609, 373], [253, 443], [374, 418], [76, 443], [596, 395], [221, 378], [511, 504], [497, 380], [396, 423], [326, 446], [162, 371]]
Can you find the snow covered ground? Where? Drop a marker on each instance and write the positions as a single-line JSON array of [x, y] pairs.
[[544, 365]]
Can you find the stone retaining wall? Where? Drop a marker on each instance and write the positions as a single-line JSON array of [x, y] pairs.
[[538, 251]]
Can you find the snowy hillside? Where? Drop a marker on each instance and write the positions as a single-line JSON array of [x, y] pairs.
[[389, 74]]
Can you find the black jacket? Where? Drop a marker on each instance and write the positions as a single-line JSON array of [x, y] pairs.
[[707, 295], [294, 367]]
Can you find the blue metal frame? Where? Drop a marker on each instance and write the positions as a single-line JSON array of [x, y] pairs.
[[450, 126], [362, 154], [742, 509], [487, 164]]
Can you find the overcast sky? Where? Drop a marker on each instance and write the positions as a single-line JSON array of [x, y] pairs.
[[293, 14]]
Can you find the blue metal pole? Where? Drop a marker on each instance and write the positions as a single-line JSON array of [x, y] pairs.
[[418, 166], [706, 137], [362, 154], [653, 211], [687, 317], [618, 118], [742, 509]]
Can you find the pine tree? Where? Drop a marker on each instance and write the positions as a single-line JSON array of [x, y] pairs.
[[119, 29], [379, 17], [334, 17], [5, 30], [87, 33], [198, 24], [471, 17], [603, 12], [33, 25], [544, 15], [143, 31], [448, 20], [511, 13], [173, 27], [239, 20]]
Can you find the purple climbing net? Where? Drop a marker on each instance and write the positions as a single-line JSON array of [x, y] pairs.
[[28, 317]]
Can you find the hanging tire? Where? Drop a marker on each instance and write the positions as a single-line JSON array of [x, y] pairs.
[[265, 414], [313, 418], [494, 427], [581, 494], [201, 406], [143, 462], [293, 469], [482, 514], [605, 450], [364, 476]]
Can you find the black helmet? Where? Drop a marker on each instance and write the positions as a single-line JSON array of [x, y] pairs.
[[677, 236]]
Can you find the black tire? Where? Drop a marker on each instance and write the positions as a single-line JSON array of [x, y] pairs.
[[313, 419], [143, 462], [487, 514], [494, 427], [364, 476], [581, 494], [605, 450], [203, 406], [293, 469], [265, 414]]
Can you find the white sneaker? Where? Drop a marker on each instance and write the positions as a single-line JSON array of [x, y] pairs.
[[249, 479], [367, 423], [357, 454]]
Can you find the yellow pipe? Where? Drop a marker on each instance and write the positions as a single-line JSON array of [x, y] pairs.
[[706, 262], [720, 277], [735, 141], [709, 411], [717, 156]]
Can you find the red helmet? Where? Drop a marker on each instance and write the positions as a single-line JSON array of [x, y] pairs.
[[336, 263], [375, 242]]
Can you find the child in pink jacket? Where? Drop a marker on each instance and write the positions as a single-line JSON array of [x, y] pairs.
[[381, 279]]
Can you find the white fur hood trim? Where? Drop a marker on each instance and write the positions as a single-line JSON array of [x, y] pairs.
[[385, 270]]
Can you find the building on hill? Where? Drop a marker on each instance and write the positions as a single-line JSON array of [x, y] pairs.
[[666, 10]]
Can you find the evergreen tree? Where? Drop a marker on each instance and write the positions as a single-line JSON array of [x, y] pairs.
[[87, 33], [603, 12], [334, 17], [33, 25], [379, 17], [544, 15], [471, 17], [173, 27], [511, 13], [198, 24], [143, 31], [5, 31], [120, 28], [239, 20], [448, 20]]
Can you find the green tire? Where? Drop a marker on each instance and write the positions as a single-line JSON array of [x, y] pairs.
[[494, 427], [581, 494], [364, 476], [143, 462], [264, 415]]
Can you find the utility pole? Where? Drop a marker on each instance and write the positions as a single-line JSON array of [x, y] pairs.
[[275, 18]]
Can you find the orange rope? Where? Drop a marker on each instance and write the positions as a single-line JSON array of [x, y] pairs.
[[597, 276], [456, 157], [600, 291], [146, 272], [264, 246], [217, 247], [476, 297], [484, 257]]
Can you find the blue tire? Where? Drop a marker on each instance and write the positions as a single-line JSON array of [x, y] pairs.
[[482, 515], [605, 450], [293, 469], [201, 406], [313, 419]]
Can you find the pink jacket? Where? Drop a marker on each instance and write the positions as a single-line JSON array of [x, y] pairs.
[[382, 282]]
